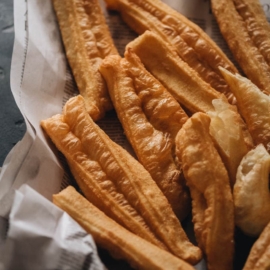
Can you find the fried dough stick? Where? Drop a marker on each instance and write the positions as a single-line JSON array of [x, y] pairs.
[[183, 82], [259, 256], [256, 25], [151, 118], [212, 204], [253, 105], [94, 183], [87, 41], [246, 30], [191, 43], [180, 80], [114, 181], [113, 237]]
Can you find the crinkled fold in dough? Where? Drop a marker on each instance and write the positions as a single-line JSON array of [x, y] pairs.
[[247, 32], [151, 118], [229, 136], [183, 82], [87, 41], [212, 204], [253, 105], [251, 192], [191, 43], [110, 235], [259, 256], [115, 182]]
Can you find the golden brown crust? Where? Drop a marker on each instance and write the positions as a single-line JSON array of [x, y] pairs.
[[247, 38], [120, 170], [110, 235], [259, 256], [212, 204], [253, 105], [256, 25], [160, 59], [87, 41], [151, 118], [94, 182], [191, 43]]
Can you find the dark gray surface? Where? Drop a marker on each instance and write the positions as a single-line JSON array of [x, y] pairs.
[[12, 127]]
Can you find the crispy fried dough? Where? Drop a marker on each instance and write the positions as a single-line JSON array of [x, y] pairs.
[[191, 43], [251, 192], [87, 41], [181, 80], [212, 204], [114, 181], [227, 132], [110, 235], [151, 118], [256, 25], [253, 105], [246, 30], [259, 256], [94, 182]]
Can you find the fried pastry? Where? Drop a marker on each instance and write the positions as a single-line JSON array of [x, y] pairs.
[[253, 105], [93, 182], [208, 181], [256, 25], [116, 239], [151, 118], [229, 136], [251, 192], [87, 41], [115, 182], [183, 82], [191, 43], [259, 256], [247, 32]]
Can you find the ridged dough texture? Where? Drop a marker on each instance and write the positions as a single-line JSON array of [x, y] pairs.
[[188, 88], [151, 118], [182, 81], [259, 256], [191, 43], [244, 26], [115, 182], [208, 181], [87, 41]]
